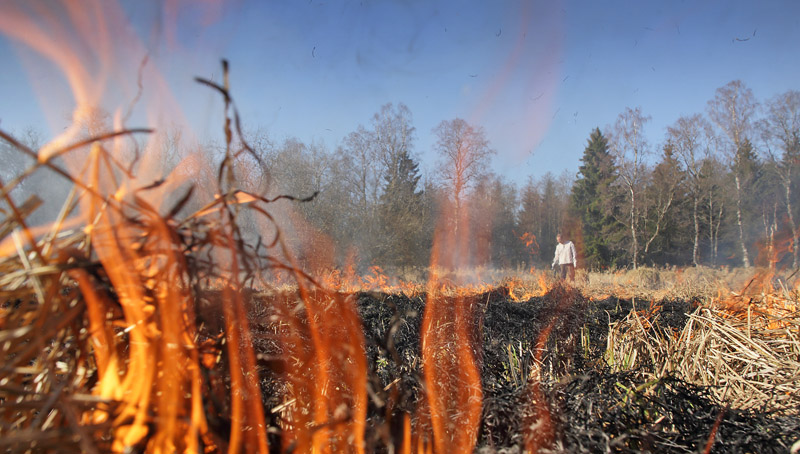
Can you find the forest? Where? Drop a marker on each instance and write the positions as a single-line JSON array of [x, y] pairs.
[[718, 190]]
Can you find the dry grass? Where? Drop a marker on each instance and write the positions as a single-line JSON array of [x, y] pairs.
[[47, 367], [743, 344], [98, 342], [750, 358], [657, 283]]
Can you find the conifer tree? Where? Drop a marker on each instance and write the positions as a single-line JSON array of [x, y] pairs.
[[591, 187], [402, 213]]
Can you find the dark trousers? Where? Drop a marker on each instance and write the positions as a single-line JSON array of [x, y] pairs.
[[567, 268]]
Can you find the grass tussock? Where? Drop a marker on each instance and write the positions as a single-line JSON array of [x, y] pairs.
[[748, 357]]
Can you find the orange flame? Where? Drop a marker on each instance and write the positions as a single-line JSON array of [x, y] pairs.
[[152, 366], [327, 402], [760, 298], [450, 344], [530, 242], [451, 374], [161, 372]]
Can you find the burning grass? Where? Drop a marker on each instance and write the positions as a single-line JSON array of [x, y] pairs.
[[544, 361]]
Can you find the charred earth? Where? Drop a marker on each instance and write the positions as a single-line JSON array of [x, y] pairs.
[[545, 381]]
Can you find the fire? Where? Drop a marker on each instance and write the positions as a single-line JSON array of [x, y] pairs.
[[452, 377], [149, 363], [530, 242], [148, 359], [151, 359], [326, 407], [523, 290], [760, 298], [376, 280]]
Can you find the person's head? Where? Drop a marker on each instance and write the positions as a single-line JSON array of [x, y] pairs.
[[559, 237]]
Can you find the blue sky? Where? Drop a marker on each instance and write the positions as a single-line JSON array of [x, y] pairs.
[[538, 75]]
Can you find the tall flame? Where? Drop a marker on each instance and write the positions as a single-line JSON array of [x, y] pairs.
[[150, 362], [151, 367], [450, 342]]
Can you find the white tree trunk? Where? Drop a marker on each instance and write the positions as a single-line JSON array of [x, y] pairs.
[[795, 231], [695, 260], [635, 241], [745, 257]]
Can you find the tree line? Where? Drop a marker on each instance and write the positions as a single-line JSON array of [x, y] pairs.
[[374, 206], [720, 189], [721, 192]]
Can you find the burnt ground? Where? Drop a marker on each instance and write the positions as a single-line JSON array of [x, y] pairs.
[[557, 340]]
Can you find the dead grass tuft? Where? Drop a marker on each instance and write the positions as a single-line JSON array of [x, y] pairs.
[[749, 358]]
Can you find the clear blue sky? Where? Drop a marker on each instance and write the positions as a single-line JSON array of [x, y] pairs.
[[538, 75]]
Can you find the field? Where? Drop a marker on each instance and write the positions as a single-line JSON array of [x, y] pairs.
[[576, 370], [639, 361]]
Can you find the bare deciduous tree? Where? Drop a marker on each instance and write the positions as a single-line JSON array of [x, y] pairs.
[[465, 155], [393, 136], [630, 148], [369, 157], [781, 130], [689, 136], [714, 187], [664, 182], [732, 110], [363, 177]]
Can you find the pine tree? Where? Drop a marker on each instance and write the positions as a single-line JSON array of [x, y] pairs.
[[588, 201], [402, 214]]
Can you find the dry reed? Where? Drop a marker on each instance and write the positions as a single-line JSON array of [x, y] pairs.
[[748, 357]]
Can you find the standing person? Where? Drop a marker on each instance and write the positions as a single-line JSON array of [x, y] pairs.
[[565, 257]]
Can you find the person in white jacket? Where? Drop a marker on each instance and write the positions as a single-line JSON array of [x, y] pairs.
[[565, 257]]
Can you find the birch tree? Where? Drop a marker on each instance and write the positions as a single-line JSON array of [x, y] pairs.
[[392, 137], [715, 186], [665, 180], [689, 136], [630, 149], [363, 176], [732, 110], [781, 132], [464, 156]]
